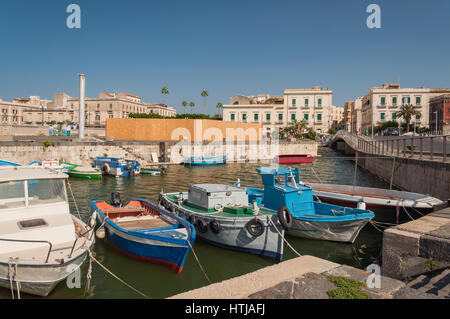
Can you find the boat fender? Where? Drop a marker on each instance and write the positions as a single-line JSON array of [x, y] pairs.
[[106, 168], [215, 226], [202, 226], [361, 205], [285, 217], [218, 207], [192, 219], [100, 233], [93, 220], [255, 227]]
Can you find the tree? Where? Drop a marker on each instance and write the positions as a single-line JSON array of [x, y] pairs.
[[184, 104], [204, 94], [192, 104], [407, 111], [219, 105], [164, 92]]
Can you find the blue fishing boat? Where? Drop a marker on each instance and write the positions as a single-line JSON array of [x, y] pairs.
[[7, 163], [145, 231], [299, 214], [117, 166], [205, 160]]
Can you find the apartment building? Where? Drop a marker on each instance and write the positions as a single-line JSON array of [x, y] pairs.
[[313, 105], [356, 116], [439, 113], [116, 105], [382, 103]]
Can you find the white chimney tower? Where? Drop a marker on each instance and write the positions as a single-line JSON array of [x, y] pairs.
[[81, 115]]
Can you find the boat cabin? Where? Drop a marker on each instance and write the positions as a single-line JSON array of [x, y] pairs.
[[282, 187], [213, 196], [33, 207]]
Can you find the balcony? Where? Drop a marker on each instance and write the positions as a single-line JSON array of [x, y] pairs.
[[318, 107], [381, 106], [393, 106], [305, 107]]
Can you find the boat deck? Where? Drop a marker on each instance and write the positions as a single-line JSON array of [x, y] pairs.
[[142, 223], [174, 199]]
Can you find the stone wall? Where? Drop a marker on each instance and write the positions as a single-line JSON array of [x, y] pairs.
[[82, 152], [424, 177]]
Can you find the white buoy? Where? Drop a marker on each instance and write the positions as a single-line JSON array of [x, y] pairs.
[[361, 205], [100, 233], [255, 208]]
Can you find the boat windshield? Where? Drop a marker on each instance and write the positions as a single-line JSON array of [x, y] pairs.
[[46, 191], [12, 194]]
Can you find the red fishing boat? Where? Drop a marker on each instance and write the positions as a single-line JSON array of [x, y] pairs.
[[294, 159]]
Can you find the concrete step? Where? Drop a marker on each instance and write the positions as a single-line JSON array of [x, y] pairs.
[[418, 282], [439, 283]]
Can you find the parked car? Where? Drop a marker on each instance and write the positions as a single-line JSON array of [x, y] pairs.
[[391, 131]]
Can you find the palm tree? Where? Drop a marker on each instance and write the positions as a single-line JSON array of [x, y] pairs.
[[407, 111], [164, 91], [219, 106], [192, 104], [204, 94], [184, 104]]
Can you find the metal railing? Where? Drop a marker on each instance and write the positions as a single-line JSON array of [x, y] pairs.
[[435, 148], [32, 241]]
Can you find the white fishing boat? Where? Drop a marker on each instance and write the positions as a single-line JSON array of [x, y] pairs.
[[52, 164], [41, 243], [387, 204]]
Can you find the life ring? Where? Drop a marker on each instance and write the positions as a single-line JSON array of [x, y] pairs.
[[202, 226], [215, 226], [255, 223], [285, 217]]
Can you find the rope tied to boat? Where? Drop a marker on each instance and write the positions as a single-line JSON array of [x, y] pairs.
[[282, 237], [115, 276], [13, 269], [74, 201], [198, 261]]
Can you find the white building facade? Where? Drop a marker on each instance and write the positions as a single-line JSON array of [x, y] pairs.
[[312, 105]]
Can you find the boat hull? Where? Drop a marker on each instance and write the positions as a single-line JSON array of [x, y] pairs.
[[294, 159], [234, 235], [152, 251], [40, 279], [82, 175], [341, 231], [204, 161]]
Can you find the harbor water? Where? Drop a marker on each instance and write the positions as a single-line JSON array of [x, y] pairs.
[[220, 264]]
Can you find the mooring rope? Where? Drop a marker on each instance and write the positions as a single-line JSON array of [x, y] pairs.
[[312, 168], [284, 239], [115, 276], [13, 270], [198, 261], [74, 201]]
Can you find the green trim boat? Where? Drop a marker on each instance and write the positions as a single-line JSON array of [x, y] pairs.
[[153, 171], [83, 172]]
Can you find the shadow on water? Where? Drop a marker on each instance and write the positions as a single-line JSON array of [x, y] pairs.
[[220, 264]]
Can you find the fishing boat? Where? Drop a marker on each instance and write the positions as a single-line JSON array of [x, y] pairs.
[[153, 171], [117, 166], [388, 205], [224, 218], [83, 172], [52, 164], [299, 214], [41, 242], [205, 160], [293, 159], [145, 231]]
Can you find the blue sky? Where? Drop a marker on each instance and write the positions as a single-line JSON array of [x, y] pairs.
[[227, 47]]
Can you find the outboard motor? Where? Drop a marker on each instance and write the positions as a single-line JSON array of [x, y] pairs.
[[115, 200]]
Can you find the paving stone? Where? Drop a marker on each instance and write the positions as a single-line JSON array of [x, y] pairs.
[[280, 291], [312, 286]]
